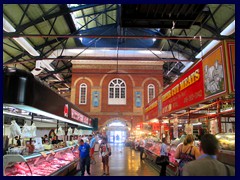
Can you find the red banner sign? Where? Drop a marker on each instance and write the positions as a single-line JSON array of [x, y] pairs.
[[231, 66], [185, 91], [85, 120], [76, 115], [90, 121], [151, 111]]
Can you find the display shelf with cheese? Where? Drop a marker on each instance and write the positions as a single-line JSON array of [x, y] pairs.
[[226, 152]]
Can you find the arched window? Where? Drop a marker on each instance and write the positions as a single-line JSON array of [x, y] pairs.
[[151, 92], [83, 94], [117, 92]]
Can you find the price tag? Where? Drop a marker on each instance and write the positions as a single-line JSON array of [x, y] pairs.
[[52, 152], [43, 154]]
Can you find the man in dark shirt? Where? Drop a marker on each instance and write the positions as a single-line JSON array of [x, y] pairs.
[[84, 150], [18, 141]]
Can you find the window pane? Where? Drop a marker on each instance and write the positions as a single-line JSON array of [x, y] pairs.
[[111, 93], [116, 92], [122, 92], [83, 94]]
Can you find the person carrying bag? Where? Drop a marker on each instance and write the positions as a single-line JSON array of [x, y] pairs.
[[163, 160], [186, 152]]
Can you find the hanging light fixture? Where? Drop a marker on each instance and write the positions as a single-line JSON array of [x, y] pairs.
[[38, 65]]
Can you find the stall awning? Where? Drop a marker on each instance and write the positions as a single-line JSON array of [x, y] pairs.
[[22, 90]]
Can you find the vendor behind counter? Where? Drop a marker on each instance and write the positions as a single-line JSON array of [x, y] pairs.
[[17, 138]]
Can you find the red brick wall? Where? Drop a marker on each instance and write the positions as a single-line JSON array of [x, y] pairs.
[[140, 79]]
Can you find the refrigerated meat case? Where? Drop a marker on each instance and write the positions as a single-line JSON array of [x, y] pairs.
[[152, 151], [58, 162], [227, 148]]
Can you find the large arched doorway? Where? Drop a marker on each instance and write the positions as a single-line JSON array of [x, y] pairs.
[[117, 130]]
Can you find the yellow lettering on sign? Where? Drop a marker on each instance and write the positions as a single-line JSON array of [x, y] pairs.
[[186, 82], [153, 105]]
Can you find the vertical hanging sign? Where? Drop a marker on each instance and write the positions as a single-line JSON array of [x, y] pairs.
[[175, 128], [214, 74], [230, 63], [138, 102], [95, 98]]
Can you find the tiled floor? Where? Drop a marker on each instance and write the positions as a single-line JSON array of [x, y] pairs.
[[124, 161]]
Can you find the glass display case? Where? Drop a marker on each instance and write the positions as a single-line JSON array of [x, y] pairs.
[[47, 163], [226, 141], [227, 148], [152, 151]]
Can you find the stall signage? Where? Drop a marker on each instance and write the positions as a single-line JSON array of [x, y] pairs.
[[85, 120], [230, 62], [89, 121], [66, 110], [214, 74], [151, 111], [185, 91], [76, 115], [43, 154]]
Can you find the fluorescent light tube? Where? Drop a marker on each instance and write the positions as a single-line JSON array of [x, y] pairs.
[[186, 67], [230, 29], [9, 28], [43, 113], [209, 47]]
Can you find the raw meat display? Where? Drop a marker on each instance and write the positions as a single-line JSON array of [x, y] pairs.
[[41, 166], [155, 149]]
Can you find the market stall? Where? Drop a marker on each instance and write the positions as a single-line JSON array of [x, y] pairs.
[[200, 101], [28, 116]]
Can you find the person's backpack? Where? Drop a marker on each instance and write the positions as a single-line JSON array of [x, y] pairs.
[[185, 158], [109, 152]]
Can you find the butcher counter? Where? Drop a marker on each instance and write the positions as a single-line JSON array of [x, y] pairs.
[[58, 162]]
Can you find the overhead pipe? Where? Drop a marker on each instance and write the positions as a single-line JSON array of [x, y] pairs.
[[14, 35], [96, 59]]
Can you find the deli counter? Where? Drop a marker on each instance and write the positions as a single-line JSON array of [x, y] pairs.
[[226, 153], [227, 148], [152, 151], [59, 162]]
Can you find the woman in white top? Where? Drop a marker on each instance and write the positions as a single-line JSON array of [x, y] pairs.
[[105, 151]]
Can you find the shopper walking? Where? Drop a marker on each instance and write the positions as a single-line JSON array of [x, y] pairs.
[[105, 151], [163, 152], [186, 152], [84, 150], [92, 142], [207, 164], [142, 146]]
